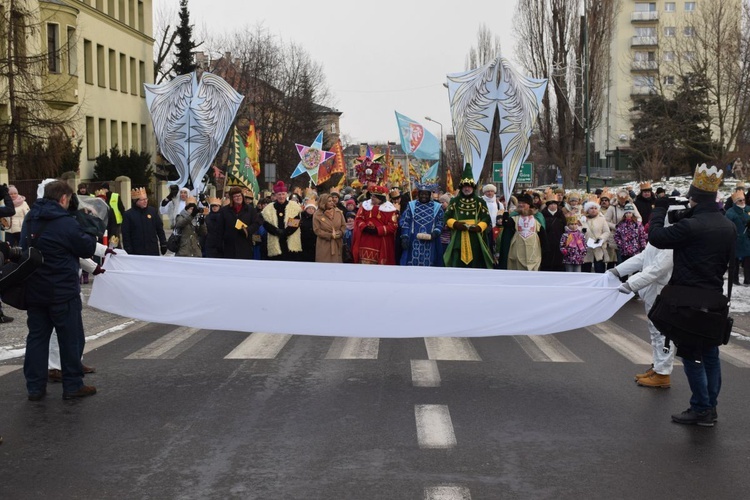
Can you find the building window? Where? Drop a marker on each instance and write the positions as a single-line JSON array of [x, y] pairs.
[[645, 32], [125, 139], [111, 8], [670, 31], [144, 139], [113, 132], [669, 56], [133, 77], [121, 10], [689, 55], [142, 77], [645, 7], [90, 138], [669, 7], [100, 75], [689, 6], [123, 74], [668, 80], [134, 136], [100, 5], [53, 48], [72, 52], [141, 25], [102, 135], [689, 31], [88, 61], [112, 69], [643, 56]]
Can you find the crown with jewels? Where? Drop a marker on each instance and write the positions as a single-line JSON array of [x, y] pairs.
[[707, 179], [138, 193]]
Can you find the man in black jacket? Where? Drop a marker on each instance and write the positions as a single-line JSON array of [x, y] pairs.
[[702, 242], [142, 227], [53, 293], [6, 210]]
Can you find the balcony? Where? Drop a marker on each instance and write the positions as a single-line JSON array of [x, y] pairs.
[[60, 90], [642, 90], [644, 66], [644, 16], [644, 41]]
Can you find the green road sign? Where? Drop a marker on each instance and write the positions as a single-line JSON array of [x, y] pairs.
[[525, 176]]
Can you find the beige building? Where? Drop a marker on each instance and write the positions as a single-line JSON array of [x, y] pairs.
[[650, 36], [99, 54]]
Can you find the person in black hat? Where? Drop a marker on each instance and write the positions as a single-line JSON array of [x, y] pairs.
[[524, 237], [552, 258]]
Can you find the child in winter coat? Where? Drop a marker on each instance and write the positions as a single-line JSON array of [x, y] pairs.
[[573, 245], [348, 237], [630, 235]]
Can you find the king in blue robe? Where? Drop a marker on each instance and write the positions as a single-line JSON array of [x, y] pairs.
[[421, 225]]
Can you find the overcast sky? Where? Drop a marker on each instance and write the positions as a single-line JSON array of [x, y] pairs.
[[379, 57]]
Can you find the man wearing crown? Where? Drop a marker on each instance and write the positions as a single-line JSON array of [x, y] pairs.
[[375, 229], [421, 225], [468, 218], [142, 228], [282, 219], [703, 241]]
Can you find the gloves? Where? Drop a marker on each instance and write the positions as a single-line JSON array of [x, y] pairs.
[[110, 251], [624, 288], [98, 270], [614, 271], [662, 203], [289, 231], [173, 190], [460, 226], [475, 229], [163, 249], [3, 190], [405, 242], [195, 211], [437, 232], [370, 230]]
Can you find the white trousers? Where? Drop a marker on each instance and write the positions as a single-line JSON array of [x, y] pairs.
[[663, 357], [53, 363]]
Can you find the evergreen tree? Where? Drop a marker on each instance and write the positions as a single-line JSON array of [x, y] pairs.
[[185, 46]]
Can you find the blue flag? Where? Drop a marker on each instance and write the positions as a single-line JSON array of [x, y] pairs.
[[417, 141]]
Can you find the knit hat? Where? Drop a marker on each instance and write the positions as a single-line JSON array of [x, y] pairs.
[[629, 208], [279, 187], [660, 190], [705, 185], [350, 201]]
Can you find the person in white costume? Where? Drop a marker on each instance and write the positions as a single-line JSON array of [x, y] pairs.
[[648, 272]]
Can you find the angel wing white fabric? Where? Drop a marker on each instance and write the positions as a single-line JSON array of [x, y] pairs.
[[191, 119], [474, 97]]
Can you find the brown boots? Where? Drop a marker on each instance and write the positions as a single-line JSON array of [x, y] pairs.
[[654, 380]]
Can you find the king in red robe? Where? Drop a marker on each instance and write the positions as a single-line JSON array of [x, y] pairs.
[[375, 230]]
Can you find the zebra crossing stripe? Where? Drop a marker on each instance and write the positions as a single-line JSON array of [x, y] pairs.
[[6, 369], [260, 346], [737, 356], [447, 492], [631, 346], [434, 427], [546, 348], [450, 349], [424, 373], [353, 348], [168, 346]]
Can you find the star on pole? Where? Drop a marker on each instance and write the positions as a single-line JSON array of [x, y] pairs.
[[311, 157]]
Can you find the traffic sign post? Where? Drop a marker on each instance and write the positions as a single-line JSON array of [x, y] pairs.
[[525, 176]]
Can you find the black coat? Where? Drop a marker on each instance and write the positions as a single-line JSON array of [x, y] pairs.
[[235, 244], [702, 242], [62, 242], [645, 206], [214, 244], [552, 259], [309, 239], [142, 231]]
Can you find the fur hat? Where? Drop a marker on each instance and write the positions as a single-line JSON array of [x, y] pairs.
[[234, 190], [705, 185], [589, 205], [489, 187]]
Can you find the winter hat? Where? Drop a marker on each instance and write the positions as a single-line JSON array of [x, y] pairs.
[[489, 187], [591, 204], [525, 198], [350, 215], [350, 201], [660, 190], [310, 203], [705, 185], [629, 208], [235, 190], [279, 187]]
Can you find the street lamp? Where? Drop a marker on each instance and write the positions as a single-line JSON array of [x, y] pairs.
[[441, 138]]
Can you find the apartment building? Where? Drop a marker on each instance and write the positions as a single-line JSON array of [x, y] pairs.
[[650, 36], [98, 78]]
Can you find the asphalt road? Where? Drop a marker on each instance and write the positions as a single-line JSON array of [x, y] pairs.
[[184, 413]]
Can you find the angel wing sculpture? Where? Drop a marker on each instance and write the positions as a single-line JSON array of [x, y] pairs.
[[191, 120], [474, 97]]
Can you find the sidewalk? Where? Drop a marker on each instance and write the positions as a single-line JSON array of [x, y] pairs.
[[13, 335]]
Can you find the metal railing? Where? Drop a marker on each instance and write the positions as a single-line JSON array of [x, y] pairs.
[[644, 65], [639, 41], [650, 15]]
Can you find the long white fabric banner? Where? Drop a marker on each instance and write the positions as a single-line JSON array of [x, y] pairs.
[[352, 300]]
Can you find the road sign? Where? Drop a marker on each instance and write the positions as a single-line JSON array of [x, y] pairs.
[[525, 176]]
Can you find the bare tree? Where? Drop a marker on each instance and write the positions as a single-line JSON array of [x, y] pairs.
[[712, 45], [487, 49], [551, 46], [166, 22], [37, 82]]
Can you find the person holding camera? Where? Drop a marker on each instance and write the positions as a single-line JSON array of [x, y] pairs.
[[53, 293], [173, 204], [142, 228], [191, 227]]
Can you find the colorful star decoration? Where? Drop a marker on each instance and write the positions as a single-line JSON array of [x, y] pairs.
[[370, 170], [311, 157]]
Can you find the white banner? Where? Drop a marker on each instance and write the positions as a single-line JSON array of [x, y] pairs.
[[352, 300]]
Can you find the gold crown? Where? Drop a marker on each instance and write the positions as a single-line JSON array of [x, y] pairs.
[[100, 192], [138, 193], [707, 179], [645, 185]]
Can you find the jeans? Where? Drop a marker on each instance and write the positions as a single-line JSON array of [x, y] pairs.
[[704, 378], [66, 319]]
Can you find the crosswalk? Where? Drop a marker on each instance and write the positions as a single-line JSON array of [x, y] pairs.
[[178, 341]]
